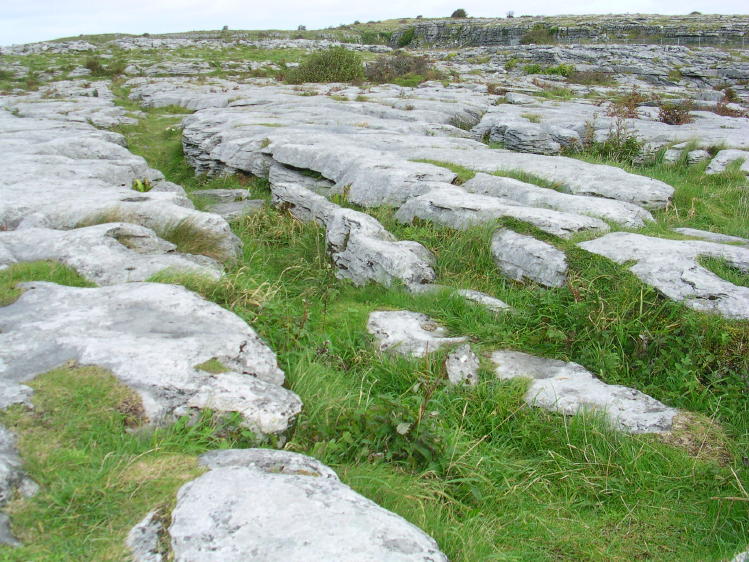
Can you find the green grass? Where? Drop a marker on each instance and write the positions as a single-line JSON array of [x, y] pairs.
[[36, 271]]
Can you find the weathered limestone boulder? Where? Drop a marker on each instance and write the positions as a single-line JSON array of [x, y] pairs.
[[275, 506], [568, 388], [721, 161], [519, 99], [154, 338], [363, 251], [671, 267], [490, 303], [408, 333], [525, 137], [521, 257], [360, 247], [106, 254], [620, 212], [462, 366], [459, 209]]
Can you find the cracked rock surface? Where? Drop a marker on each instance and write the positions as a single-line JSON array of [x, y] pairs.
[[274, 506], [672, 267], [569, 388], [408, 333], [152, 337]]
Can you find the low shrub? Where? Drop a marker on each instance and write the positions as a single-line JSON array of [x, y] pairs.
[[401, 68], [559, 70], [406, 38], [98, 68], [590, 78], [538, 35], [675, 113], [459, 13], [626, 106], [335, 64]]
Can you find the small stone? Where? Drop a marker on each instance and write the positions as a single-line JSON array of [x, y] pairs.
[[408, 333], [462, 366]]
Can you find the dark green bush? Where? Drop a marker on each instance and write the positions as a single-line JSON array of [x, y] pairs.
[[406, 38], [98, 68], [336, 64], [459, 13]]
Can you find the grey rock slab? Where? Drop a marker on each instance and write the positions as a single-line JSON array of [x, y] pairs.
[[462, 366], [712, 236], [268, 460], [262, 511], [106, 254], [363, 251], [408, 333], [696, 156], [569, 388], [721, 161], [521, 257], [237, 209], [6, 534], [456, 208], [144, 540], [620, 212], [574, 176], [671, 267], [519, 99], [12, 480], [152, 337], [741, 557], [487, 301], [359, 246], [213, 196]]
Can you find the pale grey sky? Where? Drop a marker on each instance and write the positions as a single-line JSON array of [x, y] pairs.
[[23, 21]]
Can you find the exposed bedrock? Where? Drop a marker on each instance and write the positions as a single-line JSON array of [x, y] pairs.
[[274, 506], [408, 333], [456, 208], [359, 246], [153, 338], [521, 258], [672, 267], [106, 254], [569, 388]]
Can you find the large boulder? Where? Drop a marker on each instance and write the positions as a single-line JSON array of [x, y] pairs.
[[521, 257]]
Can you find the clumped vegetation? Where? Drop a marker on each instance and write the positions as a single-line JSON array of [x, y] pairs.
[[676, 112], [539, 34], [336, 64], [99, 68], [559, 70], [590, 78], [401, 68]]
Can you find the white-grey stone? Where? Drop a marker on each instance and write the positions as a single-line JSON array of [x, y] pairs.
[[519, 99], [286, 509], [459, 209], [490, 303], [462, 366], [363, 251], [712, 236], [620, 212], [6, 534], [568, 388], [671, 267], [13, 480], [153, 338], [696, 156], [301, 202], [144, 540], [105, 254], [721, 161], [236, 209], [741, 557], [408, 333], [521, 257]]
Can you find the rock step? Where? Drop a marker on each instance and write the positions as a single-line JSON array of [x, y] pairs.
[[671, 266], [275, 506]]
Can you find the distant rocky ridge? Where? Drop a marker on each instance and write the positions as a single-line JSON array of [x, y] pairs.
[[696, 29]]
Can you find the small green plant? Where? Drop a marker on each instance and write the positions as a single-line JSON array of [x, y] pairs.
[[532, 117], [401, 68], [336, 64], [142, 185], [213, 366], [511, 64]]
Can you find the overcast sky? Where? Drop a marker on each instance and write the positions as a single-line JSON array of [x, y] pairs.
[[24, 21]]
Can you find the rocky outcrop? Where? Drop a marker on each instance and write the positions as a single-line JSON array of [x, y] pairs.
[[671, 266], [258, 504], [154, 339], [522, 257], [408, 333], [569, 388]]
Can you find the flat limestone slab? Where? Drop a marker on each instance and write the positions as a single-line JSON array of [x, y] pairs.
[[408, 333], [276, 506], [153, 338], [459, 209], [568, 388], [106, 254], [671, 267], [521, 257]]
